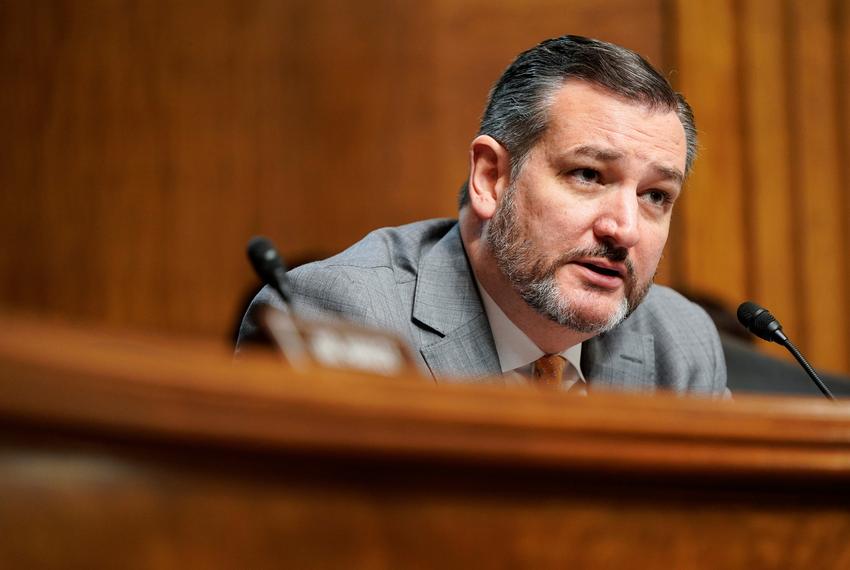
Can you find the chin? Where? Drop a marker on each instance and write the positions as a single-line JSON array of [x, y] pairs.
[[596, 321], [583, 311], [600, 303], [605, 305]]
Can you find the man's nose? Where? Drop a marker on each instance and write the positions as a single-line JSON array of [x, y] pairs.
[[618, 218]]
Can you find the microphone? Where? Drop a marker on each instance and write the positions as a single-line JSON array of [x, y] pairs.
[[269, 266], [761, 323]]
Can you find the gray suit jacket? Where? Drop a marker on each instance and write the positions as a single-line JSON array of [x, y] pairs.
[[415, 280]]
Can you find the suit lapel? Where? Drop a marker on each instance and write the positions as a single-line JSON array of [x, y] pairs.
[[465, 352], [456, 338], [620, 360]]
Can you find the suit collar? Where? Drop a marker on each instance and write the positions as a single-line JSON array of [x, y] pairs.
[[446, 297], [446, 301]]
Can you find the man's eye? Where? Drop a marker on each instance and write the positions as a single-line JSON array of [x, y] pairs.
[[658, 197], [587, 175]]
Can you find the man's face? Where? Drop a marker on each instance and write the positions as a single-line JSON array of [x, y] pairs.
[[580, 231]]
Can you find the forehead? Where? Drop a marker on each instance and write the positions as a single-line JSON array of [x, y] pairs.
[[583, 114]]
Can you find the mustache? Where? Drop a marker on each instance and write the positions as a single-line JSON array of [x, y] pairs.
[[604, 250]]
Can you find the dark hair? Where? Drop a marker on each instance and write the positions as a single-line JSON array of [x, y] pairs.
[[517, 109]]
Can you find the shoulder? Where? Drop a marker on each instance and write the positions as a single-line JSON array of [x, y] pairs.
[[393, 247], [688, 353], [675, 321], [665, 309], [372, 282], [390, 255]]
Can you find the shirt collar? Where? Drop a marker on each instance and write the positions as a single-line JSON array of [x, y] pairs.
[[513, 346]]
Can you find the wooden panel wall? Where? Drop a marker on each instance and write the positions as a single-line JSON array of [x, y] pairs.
[[710, 213], [144, 142], [767, 208]]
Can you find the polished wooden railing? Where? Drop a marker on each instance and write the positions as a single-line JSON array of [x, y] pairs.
[[120, 450]]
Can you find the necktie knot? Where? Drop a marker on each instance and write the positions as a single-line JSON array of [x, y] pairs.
[[548, 370]]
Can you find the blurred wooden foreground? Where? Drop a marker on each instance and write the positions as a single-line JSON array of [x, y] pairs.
[[133, 452]]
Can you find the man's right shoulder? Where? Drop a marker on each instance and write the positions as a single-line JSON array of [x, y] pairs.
[[368, 278], [395, 247]]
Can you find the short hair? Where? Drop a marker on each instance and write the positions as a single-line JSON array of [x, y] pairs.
[[517, 112]]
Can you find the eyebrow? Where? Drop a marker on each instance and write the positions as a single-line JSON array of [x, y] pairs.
[[673, 174], [608, 155], [603, 154]]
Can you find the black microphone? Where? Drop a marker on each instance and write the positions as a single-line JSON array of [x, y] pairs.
[[761, 323], [269, 266]]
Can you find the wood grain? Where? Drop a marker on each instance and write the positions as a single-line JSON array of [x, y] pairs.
[[711, 207], [819, 199], [132, 384], [149, 452], [770, 231]]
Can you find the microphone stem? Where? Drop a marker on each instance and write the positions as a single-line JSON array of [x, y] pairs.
[[807, 367]]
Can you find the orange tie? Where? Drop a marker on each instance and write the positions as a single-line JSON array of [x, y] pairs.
[[548, 370]]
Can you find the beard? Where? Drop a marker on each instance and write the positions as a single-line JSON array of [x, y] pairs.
[[534, 277]]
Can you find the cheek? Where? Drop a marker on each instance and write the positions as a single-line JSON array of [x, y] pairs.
[[558, 234], [649, 253], [558, 223]]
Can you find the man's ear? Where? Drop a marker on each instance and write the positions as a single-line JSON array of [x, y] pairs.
[[489, 175]]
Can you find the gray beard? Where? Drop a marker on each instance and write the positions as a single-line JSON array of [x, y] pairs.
[[535, 280]]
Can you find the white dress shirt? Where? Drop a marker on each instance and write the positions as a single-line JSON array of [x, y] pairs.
[[516, 351]]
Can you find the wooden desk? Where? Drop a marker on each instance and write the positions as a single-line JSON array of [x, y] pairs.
[[121, 451]]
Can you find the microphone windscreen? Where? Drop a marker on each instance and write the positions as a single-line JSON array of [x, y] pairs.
[[760, 322], [747, 312], [263, 256], [269, 266]]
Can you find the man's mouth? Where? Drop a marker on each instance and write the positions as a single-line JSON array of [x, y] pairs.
[[608, 271]]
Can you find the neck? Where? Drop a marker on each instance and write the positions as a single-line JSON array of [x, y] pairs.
[[549, 336]]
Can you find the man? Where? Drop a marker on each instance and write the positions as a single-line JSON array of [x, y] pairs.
[[547, 276]]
